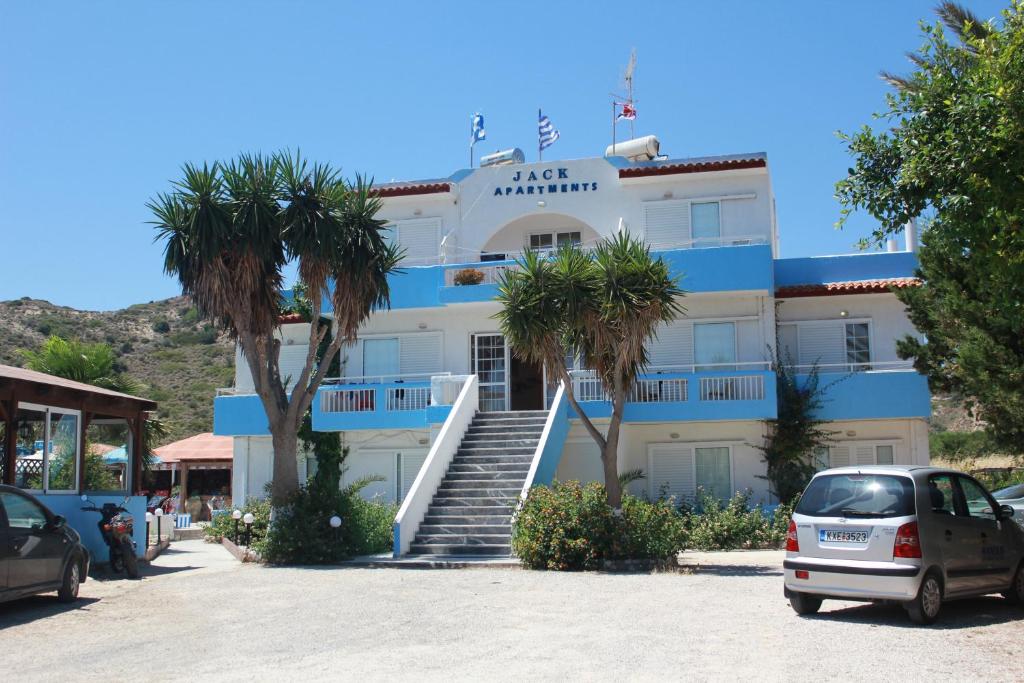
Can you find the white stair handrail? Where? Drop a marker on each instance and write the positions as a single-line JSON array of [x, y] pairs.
[[414, 507], [555, 414]]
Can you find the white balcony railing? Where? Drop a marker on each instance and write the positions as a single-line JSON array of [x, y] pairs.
[[742, 388], [411, 398], [348, 401], [876, 366], [491, 274], [444, 389]]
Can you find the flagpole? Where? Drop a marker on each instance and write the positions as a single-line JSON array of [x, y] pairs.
[[471, 140], [540, 150], [613, 127]]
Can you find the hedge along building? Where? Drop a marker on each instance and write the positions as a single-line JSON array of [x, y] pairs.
[[419, 373]]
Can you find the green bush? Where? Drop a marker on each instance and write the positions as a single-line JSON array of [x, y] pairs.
[[735, 525], [223, 526], [569, 526]]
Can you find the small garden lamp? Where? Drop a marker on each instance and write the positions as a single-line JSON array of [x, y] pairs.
[[335, 522], [236, 515], [159, 512], [149, 520], [248, 519]]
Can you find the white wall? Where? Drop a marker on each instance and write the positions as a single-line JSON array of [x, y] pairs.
[[472, 214], [294, 343], [253, 468], [889, 321]]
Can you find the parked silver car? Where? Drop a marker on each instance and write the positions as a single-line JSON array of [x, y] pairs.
[[913, 535], [1014, 497]]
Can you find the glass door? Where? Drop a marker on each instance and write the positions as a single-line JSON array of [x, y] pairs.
[[489, 361]]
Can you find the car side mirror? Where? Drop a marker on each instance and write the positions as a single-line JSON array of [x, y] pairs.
[[1006, 512], [58, 522]]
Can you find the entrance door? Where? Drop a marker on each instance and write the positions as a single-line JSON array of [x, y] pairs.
[[526, 385], [489, 360]]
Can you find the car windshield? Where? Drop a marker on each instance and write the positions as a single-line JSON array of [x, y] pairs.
[[858, 495], [1010, 492]]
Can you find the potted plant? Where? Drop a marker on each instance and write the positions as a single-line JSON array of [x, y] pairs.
[[469, 276]]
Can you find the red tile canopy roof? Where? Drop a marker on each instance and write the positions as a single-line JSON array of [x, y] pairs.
[[410, 188], [694, 166], [880, 286], [202, 447]]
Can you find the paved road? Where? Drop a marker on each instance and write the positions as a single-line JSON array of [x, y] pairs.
[[198, 614]]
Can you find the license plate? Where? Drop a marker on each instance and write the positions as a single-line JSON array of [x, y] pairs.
[[842, 536]]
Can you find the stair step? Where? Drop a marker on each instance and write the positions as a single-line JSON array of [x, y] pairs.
[[492, 459], [487, 521], [528, 430], [487, 414], [508, 450], [495, 503], [504, 511], [519, 468], [476, 488], [510, 422], [497, 550], [501, 475], [474, 529], [462, 539], [497, 441]]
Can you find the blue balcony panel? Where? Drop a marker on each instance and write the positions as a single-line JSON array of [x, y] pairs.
[[847, 267], [376, 406], [873, 395], [698, 404], [240, 415]]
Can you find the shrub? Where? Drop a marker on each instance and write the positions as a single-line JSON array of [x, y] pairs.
[[223, 526], [469, 276], [569, 526], [161, 327], [735, 525]]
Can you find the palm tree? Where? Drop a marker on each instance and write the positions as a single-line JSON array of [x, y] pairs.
[[228, 231], [602, 307]]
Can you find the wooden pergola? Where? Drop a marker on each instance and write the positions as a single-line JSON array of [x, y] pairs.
[[19, 386]]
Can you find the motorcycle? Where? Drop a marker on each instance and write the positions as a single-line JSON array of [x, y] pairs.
[[116, 527]]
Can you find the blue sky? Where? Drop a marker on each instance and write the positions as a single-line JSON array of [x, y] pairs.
[[101, 103]]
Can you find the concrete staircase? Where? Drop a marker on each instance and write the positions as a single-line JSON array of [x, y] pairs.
[[472, 510]]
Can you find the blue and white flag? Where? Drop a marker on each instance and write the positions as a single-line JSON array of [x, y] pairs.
[[477, 132], [546, 131]]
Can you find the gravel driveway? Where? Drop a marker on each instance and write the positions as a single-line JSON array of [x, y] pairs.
[[199, 614]]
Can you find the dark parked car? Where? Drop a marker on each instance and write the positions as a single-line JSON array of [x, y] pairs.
[[39, 552]]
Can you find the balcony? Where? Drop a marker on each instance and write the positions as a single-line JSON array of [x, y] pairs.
[[406, 402], [732, 265], [871, 391], [745, 391]]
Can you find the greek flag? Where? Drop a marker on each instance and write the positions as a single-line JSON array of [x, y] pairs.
[[477, 132], [548, 133]]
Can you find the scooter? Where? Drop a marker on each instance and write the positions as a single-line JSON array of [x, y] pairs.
[[116, 527]]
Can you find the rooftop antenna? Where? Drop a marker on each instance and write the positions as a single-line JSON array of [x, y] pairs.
[[625, 101]]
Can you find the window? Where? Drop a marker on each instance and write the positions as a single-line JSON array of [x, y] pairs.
[[22, 513], [820, 459], [884, 455], [494, 256], [940, 493], [705, 220], [979, 504], [714, 346], [712, 471], [858, 346], [549, 240], [62, 460], [857, 495], [380, 357]]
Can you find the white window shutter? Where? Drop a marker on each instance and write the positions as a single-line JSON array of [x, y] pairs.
[[839, 456], [666, 223], [823, 343], [292, 361], [420, 353], [673, 345], [865, 455], [421, 240], [410, 467], [671, 471]]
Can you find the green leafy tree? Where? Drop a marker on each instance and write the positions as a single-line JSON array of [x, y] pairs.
[[604, 307], [228, 231], [954, 154]]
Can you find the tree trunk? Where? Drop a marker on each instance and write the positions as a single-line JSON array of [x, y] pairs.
[[286, 468], [610, 453]]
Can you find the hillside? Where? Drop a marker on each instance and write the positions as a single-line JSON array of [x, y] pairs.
[[180, 360]]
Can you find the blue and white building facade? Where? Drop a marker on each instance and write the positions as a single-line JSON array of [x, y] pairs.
[[700, 410]]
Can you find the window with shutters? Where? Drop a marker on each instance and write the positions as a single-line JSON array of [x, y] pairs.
[[858, 346], [667, 223], [408, 354], [672, 346], [678, 470], [714, 346], [830, 344], [420, 238], [407, 467], [547, 241], [865, 453]]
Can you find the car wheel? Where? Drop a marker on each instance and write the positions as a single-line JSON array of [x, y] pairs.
[[1016, 592], [68, 591], [924, 609], [803, 603]]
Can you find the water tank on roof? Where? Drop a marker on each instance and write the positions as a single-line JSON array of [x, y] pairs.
[[503, 158], [637, 149]]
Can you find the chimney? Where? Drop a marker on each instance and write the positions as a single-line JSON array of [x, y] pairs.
[[910, 233], [891, 245]]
